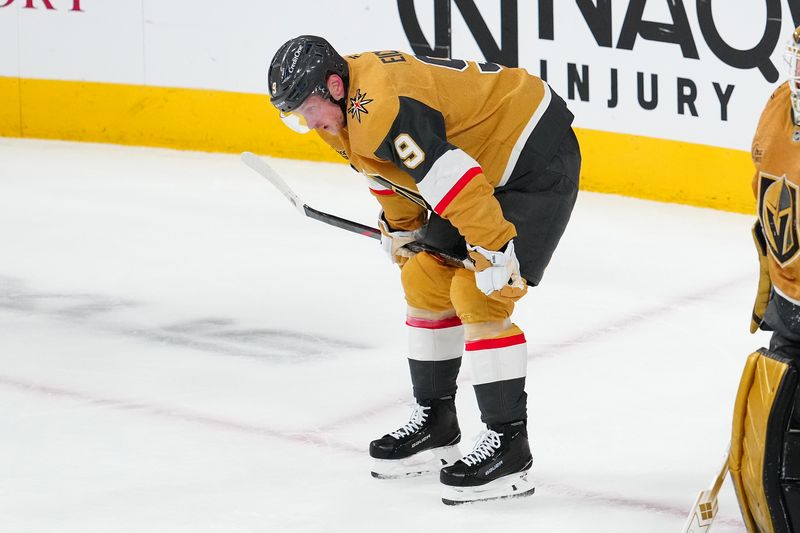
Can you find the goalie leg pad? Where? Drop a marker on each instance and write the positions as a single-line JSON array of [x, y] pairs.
[[764, 461]]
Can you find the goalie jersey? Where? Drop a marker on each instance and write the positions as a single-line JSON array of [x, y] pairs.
[[776, 154], [442, 135]]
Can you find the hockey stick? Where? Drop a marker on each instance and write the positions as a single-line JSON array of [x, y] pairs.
[[705, 506], [260, 166]]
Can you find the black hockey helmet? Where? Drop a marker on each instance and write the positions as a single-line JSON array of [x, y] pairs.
[[301, 68]]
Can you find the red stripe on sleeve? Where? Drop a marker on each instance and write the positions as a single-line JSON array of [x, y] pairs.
[[427, 323], [460, 184], [488, 344]]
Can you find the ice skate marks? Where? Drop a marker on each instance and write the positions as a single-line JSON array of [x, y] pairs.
[[278, 345], [129, 318]]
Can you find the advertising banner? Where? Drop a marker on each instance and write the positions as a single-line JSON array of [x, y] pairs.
[[677, 79]]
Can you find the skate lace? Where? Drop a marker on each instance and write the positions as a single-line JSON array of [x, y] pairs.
[[418, 416], [485, 445]]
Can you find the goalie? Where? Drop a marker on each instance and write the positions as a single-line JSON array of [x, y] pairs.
[[765, 445], [474, 159]]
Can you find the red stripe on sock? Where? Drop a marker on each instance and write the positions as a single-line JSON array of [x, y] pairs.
[[460, 184], [427, 323], [488, 344]]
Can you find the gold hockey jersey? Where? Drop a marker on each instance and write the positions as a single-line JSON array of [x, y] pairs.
[[442, 134], [776, 155]]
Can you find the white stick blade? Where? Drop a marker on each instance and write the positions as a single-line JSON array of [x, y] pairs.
[[259, 165]]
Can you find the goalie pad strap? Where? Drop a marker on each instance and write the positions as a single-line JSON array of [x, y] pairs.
[[760, 463]]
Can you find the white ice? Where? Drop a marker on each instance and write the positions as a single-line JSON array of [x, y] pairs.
[[181, 351]]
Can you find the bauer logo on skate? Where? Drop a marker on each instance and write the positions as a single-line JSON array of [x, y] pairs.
[[494, 467], [420, 441]]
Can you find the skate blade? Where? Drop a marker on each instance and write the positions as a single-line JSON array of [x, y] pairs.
[[419, 464], [510, 486]]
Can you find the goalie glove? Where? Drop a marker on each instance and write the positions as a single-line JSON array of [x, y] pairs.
[[497, 273], [393, 242]]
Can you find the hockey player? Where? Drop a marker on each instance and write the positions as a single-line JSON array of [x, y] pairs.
[[765, 446], [476, 159]]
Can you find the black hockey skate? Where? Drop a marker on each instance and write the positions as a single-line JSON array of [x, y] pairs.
[[497, 467], [424, 445]]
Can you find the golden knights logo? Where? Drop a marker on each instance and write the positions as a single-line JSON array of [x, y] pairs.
[[777, 209], [358, 105]]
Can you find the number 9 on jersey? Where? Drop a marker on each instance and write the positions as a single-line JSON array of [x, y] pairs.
[[409, 151]]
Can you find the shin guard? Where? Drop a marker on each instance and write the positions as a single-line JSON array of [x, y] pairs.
[[499, 366], [435, 348]]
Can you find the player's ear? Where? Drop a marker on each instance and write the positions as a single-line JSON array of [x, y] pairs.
[[336, 86]]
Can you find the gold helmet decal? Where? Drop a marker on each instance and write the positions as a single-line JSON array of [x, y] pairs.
[[777, 209], [796, 35]]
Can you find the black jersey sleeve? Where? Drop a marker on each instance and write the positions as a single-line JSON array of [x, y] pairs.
[[416, 139], [417, 144]]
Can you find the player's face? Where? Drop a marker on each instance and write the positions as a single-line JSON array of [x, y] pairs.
[[321, 114]]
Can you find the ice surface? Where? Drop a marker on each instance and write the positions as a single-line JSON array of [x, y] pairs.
[[180, 351]]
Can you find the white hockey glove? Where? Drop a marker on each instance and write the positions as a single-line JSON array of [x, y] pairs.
[[497, 273], [393, 242]]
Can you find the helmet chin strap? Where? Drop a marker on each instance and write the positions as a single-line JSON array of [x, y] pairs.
[[341, 103]]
